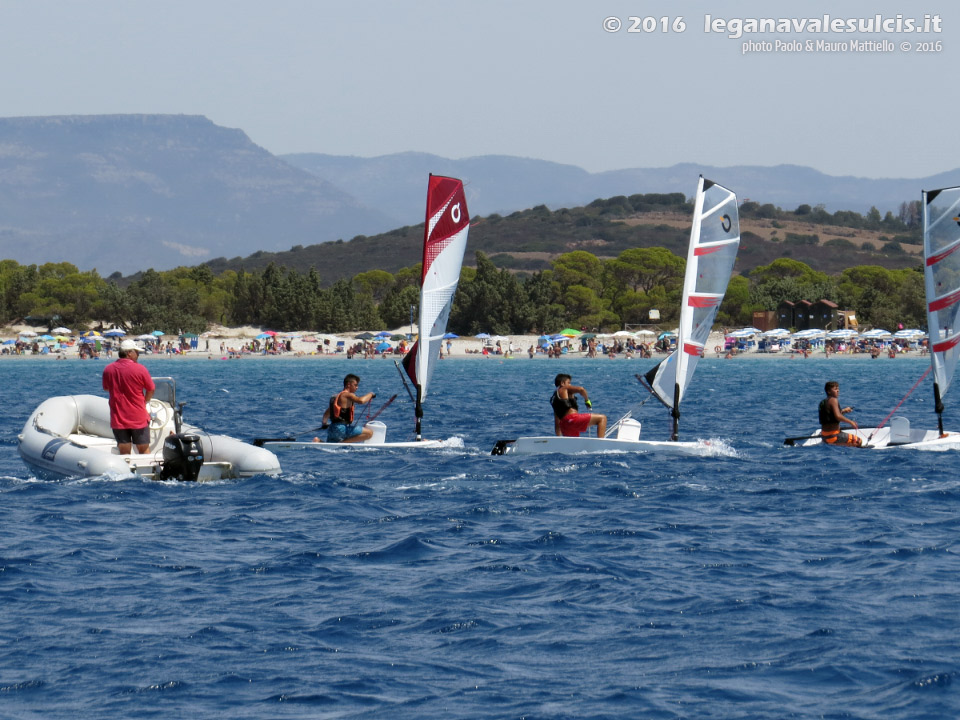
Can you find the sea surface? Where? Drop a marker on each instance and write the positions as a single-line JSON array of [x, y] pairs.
[[753, 581]]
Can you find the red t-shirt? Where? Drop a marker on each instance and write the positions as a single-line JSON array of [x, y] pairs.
[[126, 381]]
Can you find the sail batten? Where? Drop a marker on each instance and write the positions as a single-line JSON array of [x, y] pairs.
[[941, 238], [714, 241]]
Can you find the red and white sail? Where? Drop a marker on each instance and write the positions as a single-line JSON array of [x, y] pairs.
[[941, 240], [714, 241], [444, 242]]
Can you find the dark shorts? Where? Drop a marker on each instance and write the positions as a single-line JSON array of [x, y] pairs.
[[573, 424], [140, 436], [836, 437]]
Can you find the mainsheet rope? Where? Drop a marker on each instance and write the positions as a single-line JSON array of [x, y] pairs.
[[899, 404]]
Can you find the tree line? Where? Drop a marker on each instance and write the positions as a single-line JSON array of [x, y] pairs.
[[579, 289]]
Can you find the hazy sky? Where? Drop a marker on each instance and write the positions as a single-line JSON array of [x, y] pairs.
[[533, 78]]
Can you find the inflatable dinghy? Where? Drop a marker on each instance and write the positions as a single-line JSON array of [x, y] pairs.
[[70, 436]]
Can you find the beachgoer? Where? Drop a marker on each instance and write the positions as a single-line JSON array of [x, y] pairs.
[[343, 427], [831, 415], [567, 418], [131, 388]]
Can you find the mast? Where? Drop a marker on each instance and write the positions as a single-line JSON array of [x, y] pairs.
[[686, 312]]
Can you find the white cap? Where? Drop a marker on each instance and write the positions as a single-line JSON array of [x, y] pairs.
[[129, 345]]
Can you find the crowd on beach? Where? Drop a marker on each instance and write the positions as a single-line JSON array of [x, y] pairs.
[[235, 343]]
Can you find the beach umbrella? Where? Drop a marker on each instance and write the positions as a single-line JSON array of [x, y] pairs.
[[364, 336], [262, 336], [88, 340], [482, 336], [90, 334], [46, 338], [382, 334], [450, 336], [61, 338], [876, 333], [114, 332], [194, 335], [398, 337], [644, 332], [28, 333], [147, 336], [62, 331], [383, 346], [570, 332], [158, 333]]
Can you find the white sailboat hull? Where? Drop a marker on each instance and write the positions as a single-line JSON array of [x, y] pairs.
[[377, 442], [549, 444], [893, 436]]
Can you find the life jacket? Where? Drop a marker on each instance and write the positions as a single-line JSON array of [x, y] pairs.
[[562, 406], [340, 414]]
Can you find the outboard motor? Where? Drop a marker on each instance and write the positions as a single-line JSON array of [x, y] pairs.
[[182, 457]]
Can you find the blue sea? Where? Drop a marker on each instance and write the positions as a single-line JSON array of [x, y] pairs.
[[755, 581]]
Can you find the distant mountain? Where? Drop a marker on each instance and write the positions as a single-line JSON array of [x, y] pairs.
[[394, 184], [130, 192]]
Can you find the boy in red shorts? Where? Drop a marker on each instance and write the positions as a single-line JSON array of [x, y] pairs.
[[567, 418]]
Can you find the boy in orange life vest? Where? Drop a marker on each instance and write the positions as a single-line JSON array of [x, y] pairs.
[[343, 427], [567, 419], [831, 415]]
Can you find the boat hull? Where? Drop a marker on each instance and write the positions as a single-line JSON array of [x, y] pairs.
[[550, 444], [70, 436], [886, 438], [377, 442]]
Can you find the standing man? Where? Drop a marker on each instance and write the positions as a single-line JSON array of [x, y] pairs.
[[567, 418], [343, 427], [131, 388], [831, 415]]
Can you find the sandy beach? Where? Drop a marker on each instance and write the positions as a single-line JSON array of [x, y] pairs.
[[229, 343]]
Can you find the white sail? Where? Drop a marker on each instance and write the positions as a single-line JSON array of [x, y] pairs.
[[714, 240], [941, 238], [444, 242]]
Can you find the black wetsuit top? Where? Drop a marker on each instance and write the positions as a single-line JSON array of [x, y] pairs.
[[561, 407], [826, 416]]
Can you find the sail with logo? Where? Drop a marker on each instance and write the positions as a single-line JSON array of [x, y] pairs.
[[444, 242], [714, 240]]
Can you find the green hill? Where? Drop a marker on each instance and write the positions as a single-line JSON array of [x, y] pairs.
[[528, 240]]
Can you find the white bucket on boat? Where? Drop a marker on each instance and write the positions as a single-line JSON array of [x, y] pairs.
[[629, 429], [379, 432], [899, 431]]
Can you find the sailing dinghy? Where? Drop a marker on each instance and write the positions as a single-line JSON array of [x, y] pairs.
[[941, 271], [444, 242], [714, 240]]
